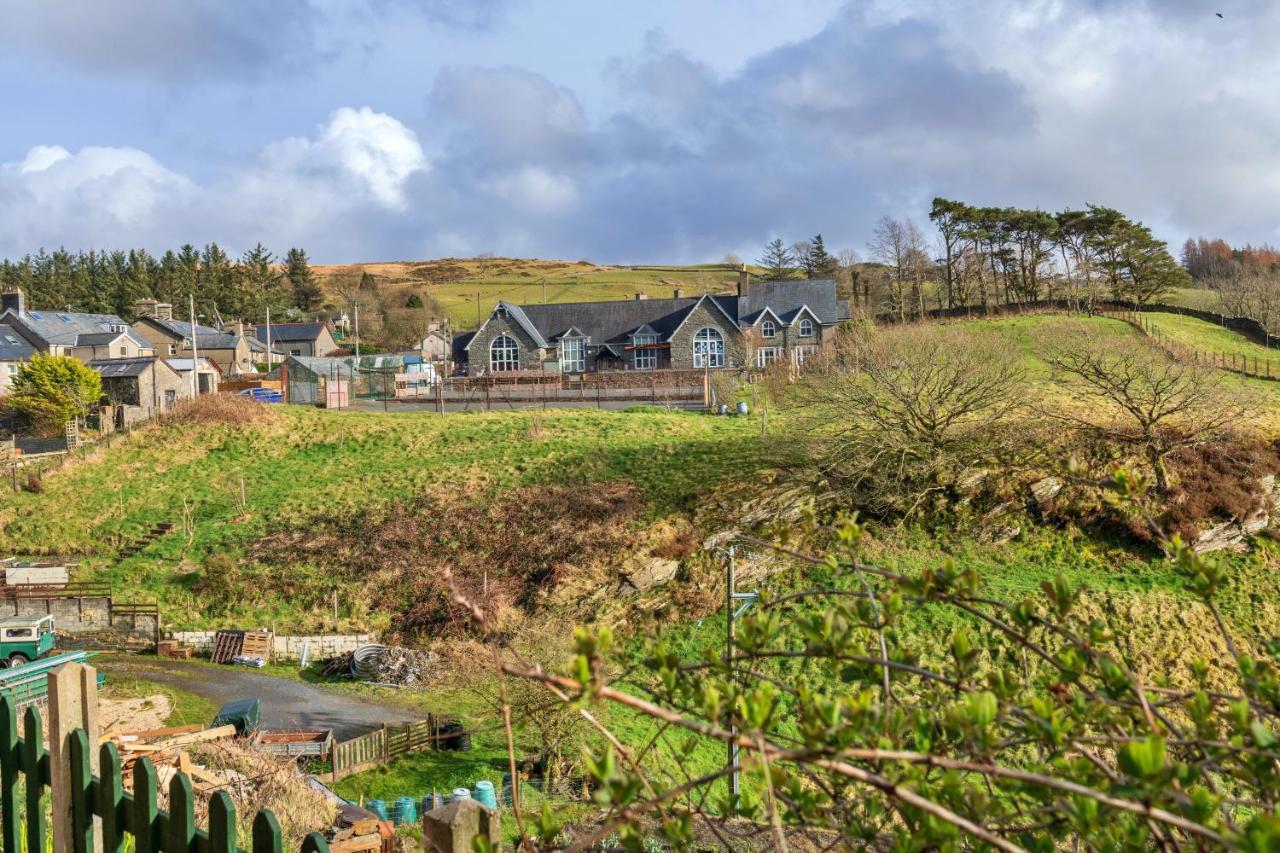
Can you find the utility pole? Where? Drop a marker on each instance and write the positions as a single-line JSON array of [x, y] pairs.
[[357, 333], [269, 359], [195, 352], [477, 309], [731, 599]]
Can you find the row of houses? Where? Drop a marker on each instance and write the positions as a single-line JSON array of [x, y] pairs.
[[149, 365]]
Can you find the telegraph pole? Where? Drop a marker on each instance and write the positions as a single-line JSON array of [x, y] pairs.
[[195, 352], [731, 599]]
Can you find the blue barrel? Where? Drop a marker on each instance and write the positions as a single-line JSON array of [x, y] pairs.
[[405, 810], [460, 794], [742, 407], [378, 807], [484, 794]]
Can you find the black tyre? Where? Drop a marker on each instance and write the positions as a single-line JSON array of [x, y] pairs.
[[18, 659]]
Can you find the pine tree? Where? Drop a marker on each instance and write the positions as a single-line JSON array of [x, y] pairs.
[[777, 260], [818, 264], [306, 290]]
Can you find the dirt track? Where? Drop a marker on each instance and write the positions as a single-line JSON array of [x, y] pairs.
[[285, 703]]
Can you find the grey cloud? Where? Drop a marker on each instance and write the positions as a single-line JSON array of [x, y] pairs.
[[188, 38]]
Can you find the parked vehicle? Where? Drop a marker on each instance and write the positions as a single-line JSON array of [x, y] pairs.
[[263, 395], [25, 638]]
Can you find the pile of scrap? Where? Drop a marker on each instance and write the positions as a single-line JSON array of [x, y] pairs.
[[394, 665], [246, 648], [167, 748], [358, 830]]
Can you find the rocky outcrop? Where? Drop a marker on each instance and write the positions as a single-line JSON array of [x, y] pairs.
[[1234, 535]]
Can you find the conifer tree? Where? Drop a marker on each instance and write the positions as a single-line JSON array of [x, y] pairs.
[[777, 260], [306, 290]]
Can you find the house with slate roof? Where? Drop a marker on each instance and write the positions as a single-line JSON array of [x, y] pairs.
[[763, 322], [81, 336], [229, 350], [140, 388], [14, 350], [305, 339]]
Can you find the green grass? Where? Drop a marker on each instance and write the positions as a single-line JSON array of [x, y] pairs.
[[307, 462], [1193, 334], [1200, 298]]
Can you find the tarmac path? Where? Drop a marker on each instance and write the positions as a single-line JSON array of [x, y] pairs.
[[285, 703]]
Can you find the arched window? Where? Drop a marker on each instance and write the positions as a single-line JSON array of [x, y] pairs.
[[768, 330], [806, 327], [708, 348], [504, 354]]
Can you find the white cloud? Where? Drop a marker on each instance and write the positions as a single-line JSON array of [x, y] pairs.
[[357, 147]]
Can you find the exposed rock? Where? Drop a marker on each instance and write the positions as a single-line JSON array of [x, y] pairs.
[[652, 572], [1046, 490], [1234, 535]]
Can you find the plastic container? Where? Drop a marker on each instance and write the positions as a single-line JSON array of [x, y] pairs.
[[404, 810], [241, 713], [461, 794], [483, 793], [742, 407], [378, 807]]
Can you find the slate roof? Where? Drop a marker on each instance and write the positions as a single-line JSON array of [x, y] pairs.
[[289, 332], [182, 365], [112, 368], [207, 337], [14, 347], [617, 320], [70, 329]]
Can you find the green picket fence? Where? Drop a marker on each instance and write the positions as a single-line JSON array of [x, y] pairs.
[[25, 763]]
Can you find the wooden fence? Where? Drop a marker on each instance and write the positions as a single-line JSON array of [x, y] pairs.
[[382, 745], [1250, 366], [86, 804]]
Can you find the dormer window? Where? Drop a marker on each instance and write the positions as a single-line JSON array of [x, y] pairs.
[[573, 355], [806, 328], [119, 327], [768, 329]]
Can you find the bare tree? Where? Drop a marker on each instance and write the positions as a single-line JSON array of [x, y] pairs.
[[1140, 396], [909, 412], [889, 246], [731, 259]]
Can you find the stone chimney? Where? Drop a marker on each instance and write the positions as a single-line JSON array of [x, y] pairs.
[[677, 293], [145, 308], [164, 310], [744, 279], [13, 299]]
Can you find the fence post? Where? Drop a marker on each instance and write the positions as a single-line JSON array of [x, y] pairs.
[[73, 704], [9, 759]]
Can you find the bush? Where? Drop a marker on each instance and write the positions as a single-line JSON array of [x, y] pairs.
[[51, 390]]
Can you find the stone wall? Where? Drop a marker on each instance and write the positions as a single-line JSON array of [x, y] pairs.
[[90, 617], [285, 647]]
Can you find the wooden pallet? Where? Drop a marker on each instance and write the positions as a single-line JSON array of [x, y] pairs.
[[257, 644], [226, 645]]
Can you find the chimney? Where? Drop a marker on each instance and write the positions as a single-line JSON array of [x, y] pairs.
[[164, 310], [240, 328], [677, 293], [744, 279], [145, 308], [13, 299], [641, 296]]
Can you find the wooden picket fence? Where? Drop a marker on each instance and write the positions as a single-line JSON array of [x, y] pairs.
[[63, 779], [384, 744]]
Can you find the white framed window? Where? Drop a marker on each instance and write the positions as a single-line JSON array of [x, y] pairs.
[[295, 352], [768, 329], [645, 357], [766, 356], [573, 355], [806, 328], [124, 352], [708, 348], [173, 349], [504, 354], [799, 354], [13, 369]]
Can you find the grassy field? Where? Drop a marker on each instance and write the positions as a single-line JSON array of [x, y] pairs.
[[304, 462], [1193, 334]]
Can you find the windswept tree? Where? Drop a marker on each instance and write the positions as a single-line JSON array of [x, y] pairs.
[[950, 218], [777, 260]]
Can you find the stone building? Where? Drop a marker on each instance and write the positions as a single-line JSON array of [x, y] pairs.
[[763, 322]]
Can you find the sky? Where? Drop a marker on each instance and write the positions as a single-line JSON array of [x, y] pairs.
[[622, 132]]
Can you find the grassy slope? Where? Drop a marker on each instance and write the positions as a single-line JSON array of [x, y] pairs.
[[306, 462], [1190, 333]]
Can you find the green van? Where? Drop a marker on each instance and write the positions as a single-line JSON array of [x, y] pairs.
[[24, 638]]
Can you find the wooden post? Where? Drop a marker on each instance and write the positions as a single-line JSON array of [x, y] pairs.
[[73, 704]]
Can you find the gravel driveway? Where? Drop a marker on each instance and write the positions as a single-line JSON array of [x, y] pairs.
[[285, 703]]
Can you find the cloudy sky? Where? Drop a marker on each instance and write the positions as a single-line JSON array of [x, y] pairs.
[[621, 131]]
